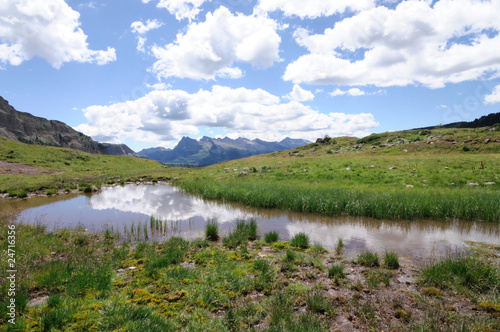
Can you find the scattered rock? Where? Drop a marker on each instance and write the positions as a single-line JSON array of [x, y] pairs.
[[38, 301], [487, 140], [120, 270], [473, 184], [413, 174], [188, 265], [372, 166], [409, 186], [393, 167], [348, 169], [446, 168], [405, 150], [243, 173], [132, 268], [489, 183]]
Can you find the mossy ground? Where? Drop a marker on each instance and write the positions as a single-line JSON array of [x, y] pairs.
[[89, 282]]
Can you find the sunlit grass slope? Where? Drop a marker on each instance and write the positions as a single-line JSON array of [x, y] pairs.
[[444, 174], [58, 168]]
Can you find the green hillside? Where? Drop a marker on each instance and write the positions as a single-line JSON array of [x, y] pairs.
[[440, 173], [26, 167]]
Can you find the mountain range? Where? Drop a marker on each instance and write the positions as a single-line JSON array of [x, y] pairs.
[[209, 151], [27, 128]]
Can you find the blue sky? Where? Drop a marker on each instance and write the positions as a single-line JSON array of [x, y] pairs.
[[148, 72]]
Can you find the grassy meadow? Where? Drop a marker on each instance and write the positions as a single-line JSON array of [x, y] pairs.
[[53, 169], [75, 281]]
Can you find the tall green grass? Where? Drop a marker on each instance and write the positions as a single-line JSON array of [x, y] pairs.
[[368, 201], [245, 230], [462, 273]]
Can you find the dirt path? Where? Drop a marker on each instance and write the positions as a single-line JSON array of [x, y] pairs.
[[15, 168]]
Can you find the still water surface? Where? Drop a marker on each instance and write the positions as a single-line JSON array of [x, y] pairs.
[[186, 215]]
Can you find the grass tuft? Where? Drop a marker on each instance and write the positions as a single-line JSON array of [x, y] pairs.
[[462, 273], [271, 237], [368, 259], [391, 260], [300, 240], [212, 230]]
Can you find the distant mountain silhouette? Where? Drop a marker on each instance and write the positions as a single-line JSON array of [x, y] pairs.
[[30, 129], [209, 151]]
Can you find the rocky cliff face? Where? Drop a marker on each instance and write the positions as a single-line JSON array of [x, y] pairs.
[[118, 150], [27, 128], [209, 151]]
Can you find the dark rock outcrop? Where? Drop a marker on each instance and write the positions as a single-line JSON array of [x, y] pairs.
[[30, 129]]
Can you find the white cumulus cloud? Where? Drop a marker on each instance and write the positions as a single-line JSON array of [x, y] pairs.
[[418, 42], [351, 92], [49, 29], [299, 94], [181, 8], [494, 97], [163, 117], [141, 29], [313, 8], [209, 49]]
